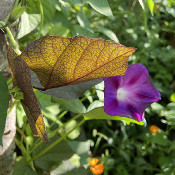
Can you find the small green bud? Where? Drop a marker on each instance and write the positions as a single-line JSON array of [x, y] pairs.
[[18, 96]]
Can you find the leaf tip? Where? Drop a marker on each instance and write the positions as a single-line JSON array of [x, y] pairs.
[[40, 127]]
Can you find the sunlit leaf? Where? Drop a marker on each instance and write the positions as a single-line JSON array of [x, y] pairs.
[[21, 78], [75, 133], [141, 3], [101, 6], [151, 6], [172, 97], [4, 102], [60, 61], [109, 33], [20, 115], [28, 23], [95, 104], [99, 113]]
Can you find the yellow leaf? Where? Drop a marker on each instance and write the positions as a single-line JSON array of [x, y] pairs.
[[60, 61]]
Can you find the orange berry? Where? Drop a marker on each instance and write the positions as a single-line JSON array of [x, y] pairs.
[[97, 169], [94, 161], [153, 128]]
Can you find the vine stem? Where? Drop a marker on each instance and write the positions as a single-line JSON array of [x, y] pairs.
[[74, 118], [56, 142], [13, 43], [42, 18], [60, 116], [55, 131]]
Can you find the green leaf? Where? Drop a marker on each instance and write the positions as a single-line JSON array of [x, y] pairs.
[[48, 10], [80, 148], [100, 91], [75, 133], [70, 167], [95, 104], [18, 96], [99, 113], [141, 3], [63, 31], [22, 168], [15, 13], [78, 30], [49, 109], [100, 86], [20, 115], [75, 106], [28, 23], [165, 162], [83, 20], [160, 138], [60, 17], [69, 92], [4, 103], [100, 95], [109, 33], [151, 6], [172, 146], [54, 156], [101, 6], [172, 98]]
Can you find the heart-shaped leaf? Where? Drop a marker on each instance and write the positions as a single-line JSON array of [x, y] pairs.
[[99, 113], [69, 92], [21, 78], [60, 61]]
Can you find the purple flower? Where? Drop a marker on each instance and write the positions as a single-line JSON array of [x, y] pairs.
[[129, 95]]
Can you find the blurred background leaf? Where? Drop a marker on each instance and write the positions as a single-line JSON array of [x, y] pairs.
[[4, 103]]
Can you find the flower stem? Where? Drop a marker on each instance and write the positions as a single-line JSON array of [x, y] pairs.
[[21, 146], [96, 145], [57, 141]]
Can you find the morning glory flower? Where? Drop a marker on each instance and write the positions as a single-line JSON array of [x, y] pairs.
[[129, 95]]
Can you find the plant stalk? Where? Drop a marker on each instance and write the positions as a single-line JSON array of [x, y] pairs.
[[57, 141]]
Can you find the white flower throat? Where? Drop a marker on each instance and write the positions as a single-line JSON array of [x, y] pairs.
[[121, 94]]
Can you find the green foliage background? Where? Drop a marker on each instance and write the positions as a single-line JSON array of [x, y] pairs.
[[124, 149]]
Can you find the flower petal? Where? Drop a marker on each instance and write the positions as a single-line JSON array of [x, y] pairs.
[[131, 94]]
